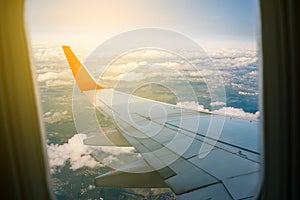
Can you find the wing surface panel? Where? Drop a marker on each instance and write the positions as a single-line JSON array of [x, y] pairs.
[[170, 140]]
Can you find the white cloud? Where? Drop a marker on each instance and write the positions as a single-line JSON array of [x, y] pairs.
[[253, 73], [75, 151], [192, 105], [234, 58], [130, 76], [54, 76], [46, 55], [90, 187], [244, 61], [54, 79], [169, 64], [56, 83], [157, 54], [237, 112], [217, 103], [204, 72], [47, 114], [79, 154], [229, 111], [248, 93], [143, 63], [57, 116], [237, 85], [123, 68]]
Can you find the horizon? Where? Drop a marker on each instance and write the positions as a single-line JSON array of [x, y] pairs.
[[212, 24]]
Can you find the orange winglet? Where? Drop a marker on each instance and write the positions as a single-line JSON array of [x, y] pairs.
[[83, 79]]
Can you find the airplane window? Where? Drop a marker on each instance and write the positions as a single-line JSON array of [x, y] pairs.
[[149, 99]]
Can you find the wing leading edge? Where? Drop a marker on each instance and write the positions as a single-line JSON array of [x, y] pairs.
[[169, 144]]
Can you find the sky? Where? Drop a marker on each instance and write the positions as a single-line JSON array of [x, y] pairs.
[[97, 20]]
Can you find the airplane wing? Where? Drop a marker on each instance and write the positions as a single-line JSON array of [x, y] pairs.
[[170, 138]]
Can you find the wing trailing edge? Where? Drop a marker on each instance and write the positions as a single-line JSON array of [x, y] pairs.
[[109, 139], [83, 79], [132, 176]]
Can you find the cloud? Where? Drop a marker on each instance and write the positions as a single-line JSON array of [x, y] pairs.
[[157, 54], [253, 73], [237, 112], [75, 151], [49, 54], [229, 111], [169, 64], [123, 68], [143, 63], [90, 187], [140, 71], [217, 103], [232, 64], [54, 76], [56, 83], [54, 79], [248, 93], [192, 105], [79, 154], [57, 116], [201, 73], [244, 61], [234, 58], [130, 76]]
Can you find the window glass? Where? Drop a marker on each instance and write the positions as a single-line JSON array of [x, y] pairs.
[[201, 56]]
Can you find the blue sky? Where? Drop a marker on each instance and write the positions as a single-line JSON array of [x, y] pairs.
[[213, 20]]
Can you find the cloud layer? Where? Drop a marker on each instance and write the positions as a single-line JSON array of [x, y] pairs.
[[53, 79]]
